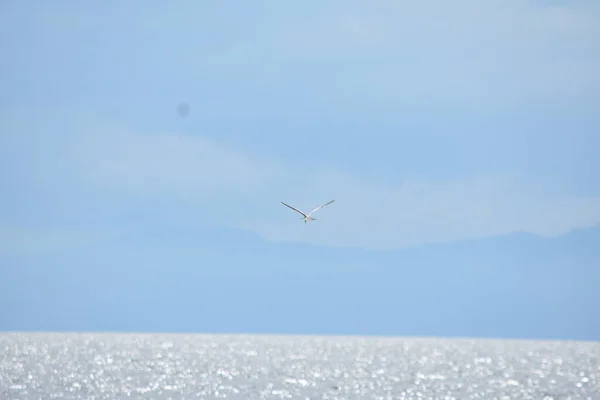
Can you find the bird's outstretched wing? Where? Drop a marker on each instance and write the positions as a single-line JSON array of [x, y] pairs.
[[295, 209], [318, 208]]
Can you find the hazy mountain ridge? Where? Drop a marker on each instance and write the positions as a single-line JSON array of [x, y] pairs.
[[170, 280]]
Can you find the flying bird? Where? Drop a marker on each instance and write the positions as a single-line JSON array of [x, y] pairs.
[[308, 217]]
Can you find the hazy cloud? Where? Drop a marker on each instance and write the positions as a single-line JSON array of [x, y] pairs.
[[465, 54], [376, 214]]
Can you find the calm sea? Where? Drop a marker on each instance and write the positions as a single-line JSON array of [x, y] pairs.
[[181, 366]]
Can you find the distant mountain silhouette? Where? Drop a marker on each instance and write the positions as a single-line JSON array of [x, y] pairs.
[[184, 279]]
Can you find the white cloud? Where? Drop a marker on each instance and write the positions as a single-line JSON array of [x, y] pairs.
[[467, 53], [328, 58], [436, 30], [231, 188], [168, 164], [93, 172], [416, 212]]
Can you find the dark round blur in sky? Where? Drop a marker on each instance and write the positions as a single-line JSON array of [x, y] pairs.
[[183, 109]]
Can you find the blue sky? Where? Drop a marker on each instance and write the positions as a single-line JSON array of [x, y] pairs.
[[428, 121]]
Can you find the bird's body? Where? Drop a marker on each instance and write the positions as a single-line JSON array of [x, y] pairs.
[[308, 217]]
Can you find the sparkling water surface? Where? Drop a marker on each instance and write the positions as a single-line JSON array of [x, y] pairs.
[[180, 366]]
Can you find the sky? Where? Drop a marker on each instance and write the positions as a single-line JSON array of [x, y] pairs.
[[427, 122]]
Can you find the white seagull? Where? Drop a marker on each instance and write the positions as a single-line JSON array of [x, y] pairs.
[[308, 217]]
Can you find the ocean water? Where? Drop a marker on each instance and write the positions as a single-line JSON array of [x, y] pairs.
[[181, 366]]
